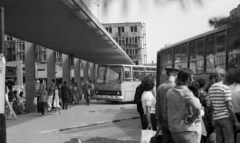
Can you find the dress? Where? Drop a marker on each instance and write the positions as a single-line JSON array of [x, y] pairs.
[[56, 99]]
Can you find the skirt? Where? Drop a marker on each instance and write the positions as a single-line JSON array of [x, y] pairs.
[[56, 101]]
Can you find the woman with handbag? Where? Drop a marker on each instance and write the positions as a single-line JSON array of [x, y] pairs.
[[57, 100], [42, 95]]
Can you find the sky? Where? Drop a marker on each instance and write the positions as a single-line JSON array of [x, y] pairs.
[[167, 21]]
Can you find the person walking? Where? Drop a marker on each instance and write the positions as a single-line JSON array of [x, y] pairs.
[[50, 95], [65, 95], [70, 99], [148, 105], [42, 96], [223, 115], [87, 92], [161, 114], [56, 101], [183, 108], [76, 93]]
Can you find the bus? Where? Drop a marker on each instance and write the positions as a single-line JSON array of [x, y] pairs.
[[117, 83], [202, 53]]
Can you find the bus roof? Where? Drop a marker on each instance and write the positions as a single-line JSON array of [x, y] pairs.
[[217, 30]]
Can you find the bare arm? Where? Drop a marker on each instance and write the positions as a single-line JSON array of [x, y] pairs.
[[196, 109], [231, 111]]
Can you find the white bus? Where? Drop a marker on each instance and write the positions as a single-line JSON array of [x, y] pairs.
[[117, 83]]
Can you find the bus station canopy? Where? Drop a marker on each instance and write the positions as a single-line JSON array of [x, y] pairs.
[[66, 26]]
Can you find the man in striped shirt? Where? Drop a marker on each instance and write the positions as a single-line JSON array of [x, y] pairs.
[[223, 116]]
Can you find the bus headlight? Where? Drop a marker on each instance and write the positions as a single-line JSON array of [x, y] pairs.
[[118, 93]]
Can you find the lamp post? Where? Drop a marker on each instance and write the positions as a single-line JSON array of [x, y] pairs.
[[2, 79]]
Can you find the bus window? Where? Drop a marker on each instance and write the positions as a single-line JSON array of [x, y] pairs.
[[210, 65], [197, 66], [127, 74], [184, 53], [115, 75], [220, 61], [210, 46], [234, 60], [136, 76], [192, 51], [200, 49], [233, 40], [102, 74], [220, 43], [141, 75], [177, 54]]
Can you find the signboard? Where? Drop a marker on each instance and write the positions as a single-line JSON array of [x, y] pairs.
[[2, 84]]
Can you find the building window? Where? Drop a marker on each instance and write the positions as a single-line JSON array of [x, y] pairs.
[[133, 28], [109, 29], [136, 40]]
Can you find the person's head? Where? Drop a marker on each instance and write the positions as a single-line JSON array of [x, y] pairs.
[[210, 78], [90, 81], [15, 92], [171, 72], [64, 82], [184, 76], [194, 88], [40, 81], [236, 73], [21, 94], [53, 81], [57, 86], [86, 82], [148, 84], [10, 87], [201, 82], [75, 83], [218, 74]]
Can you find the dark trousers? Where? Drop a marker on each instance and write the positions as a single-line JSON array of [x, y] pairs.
[[65, 103], [42, 107], [140, 111], [224, 130], [88, 99], [236, 132], [38, 105], [153, 122], [166, 134]]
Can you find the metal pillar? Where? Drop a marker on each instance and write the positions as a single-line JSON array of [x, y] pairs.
[[30, 75], [3, 135], [77, 71], [85, 71]]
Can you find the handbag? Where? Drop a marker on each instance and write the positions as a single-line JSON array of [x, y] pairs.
[[147, 135], [35, 101], [157, 138]]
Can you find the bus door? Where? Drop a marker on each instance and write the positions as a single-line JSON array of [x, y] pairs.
[[127, 87]]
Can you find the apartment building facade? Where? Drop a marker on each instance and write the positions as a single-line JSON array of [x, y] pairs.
[[132, 38]]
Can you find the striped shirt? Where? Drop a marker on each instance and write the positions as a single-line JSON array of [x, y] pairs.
[[219, 94]]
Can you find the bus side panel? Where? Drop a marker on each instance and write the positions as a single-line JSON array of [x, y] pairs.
[[128, 90]]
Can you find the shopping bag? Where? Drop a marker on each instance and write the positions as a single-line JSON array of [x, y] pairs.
[[157, 138], [35, 101], [147, 135]]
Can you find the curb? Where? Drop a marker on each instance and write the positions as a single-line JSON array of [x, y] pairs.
[[117, 109], [89, 125]]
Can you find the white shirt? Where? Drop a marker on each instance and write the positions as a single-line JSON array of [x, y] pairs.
[[235, 90], [148, 100]]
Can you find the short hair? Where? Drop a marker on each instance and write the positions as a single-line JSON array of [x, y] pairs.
[[9, 86], [219, 74], [184, 75], [41, 81], [64, 82], [21, 94], [53, 80], [210, 77], [194, 90], [148, 84], [201, 82]]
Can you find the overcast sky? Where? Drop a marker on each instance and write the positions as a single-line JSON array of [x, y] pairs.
[[166, 23]]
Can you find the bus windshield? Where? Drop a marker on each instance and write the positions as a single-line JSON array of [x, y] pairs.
[[109, 74]]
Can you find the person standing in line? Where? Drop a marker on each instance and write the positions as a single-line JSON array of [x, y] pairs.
[[223, 115], [70, 93], [183, 108], [137, 99], [92, 89], [161, 115], [65, 95], [76, 93], [148, 105], [211, 82], [56, 101], [50, 94], [42, 96], [233, 79]]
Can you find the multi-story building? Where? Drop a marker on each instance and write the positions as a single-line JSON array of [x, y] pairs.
[[132, 38]]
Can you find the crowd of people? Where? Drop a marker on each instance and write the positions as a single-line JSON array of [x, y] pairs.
[[53, 98], [192, 111]]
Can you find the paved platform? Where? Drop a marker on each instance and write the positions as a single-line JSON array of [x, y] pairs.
[[30, 128]]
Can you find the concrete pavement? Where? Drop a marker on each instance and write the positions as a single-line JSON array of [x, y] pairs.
[[30, 128]]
